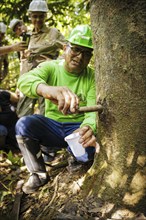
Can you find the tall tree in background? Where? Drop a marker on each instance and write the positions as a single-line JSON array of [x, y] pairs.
[[118, 175]]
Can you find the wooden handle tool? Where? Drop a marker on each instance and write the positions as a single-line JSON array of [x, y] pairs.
[[95, 108]]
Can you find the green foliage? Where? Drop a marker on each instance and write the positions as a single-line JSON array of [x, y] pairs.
[[6, 192], [15, 160], [62, 14], [8, 174], [10, 81], [65, 12], [12, 159]]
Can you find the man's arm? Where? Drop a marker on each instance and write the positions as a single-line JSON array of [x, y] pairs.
[[61, 96], [14, 47]]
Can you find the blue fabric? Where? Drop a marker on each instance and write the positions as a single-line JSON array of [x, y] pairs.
[[48, 132], [3, 130]]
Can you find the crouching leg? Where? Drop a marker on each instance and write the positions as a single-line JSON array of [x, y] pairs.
[[33, 159]]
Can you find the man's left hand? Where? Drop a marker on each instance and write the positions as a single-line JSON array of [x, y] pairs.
[[87, 136]]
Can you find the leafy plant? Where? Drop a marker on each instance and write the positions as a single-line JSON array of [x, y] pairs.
[[14, 159]]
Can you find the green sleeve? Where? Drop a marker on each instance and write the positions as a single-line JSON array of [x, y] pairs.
[[28, 82], [90, 117]]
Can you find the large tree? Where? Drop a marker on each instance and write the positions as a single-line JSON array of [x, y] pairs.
[[118, 176]]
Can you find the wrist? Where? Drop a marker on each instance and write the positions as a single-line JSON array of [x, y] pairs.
[[41, 88]]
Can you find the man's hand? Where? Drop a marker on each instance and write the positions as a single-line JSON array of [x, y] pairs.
[[87, 138], [14, 98], [61, 96], [19, 46]]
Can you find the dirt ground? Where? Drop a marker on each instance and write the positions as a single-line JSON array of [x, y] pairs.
[[59, 199]]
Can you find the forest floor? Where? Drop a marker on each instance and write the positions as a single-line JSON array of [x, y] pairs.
[[59, 199]]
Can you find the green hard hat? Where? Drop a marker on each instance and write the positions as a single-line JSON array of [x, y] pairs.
[[81, 35]]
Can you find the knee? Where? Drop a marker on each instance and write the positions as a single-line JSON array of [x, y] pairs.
[[22, 125]]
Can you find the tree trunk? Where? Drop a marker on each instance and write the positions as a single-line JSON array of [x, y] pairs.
[[118, 175]]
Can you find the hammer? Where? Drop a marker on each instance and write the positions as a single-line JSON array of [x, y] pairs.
[[94, 108]]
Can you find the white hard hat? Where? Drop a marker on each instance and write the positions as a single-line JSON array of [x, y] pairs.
[[3, 27], [13, 23], [38, 5]]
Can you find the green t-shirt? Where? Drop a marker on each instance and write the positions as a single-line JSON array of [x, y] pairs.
[[54, 74]]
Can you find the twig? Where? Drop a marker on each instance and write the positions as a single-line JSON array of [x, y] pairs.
[[5, 186], [53, 197]]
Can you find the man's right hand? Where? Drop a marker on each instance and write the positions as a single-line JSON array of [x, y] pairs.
[[61, 96]]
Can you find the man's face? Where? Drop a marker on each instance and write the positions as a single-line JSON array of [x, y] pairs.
[[19, 29], [76, 58], [38, 19]]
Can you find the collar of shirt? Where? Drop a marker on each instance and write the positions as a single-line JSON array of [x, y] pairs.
[[44, 29]]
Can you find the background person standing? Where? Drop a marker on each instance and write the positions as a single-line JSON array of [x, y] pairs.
[[20, 30], [18, 27], [44, 44], [25, 104]]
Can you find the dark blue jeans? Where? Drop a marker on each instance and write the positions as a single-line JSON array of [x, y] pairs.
[[48, 132]]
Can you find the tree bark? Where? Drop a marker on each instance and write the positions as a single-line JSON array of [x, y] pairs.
[[118, 175]]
